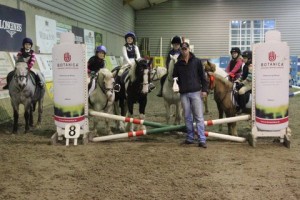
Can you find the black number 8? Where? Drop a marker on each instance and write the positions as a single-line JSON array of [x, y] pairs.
[[72, 131]]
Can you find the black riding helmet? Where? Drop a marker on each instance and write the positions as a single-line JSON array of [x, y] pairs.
[[235, 49], [176, 40], [247, 54], [27, 40]]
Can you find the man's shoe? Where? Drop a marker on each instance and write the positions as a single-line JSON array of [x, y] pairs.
[[202, 144], [187, 142]]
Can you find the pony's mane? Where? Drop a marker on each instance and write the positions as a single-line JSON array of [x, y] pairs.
[[104, 73], [21, 67], [223, 80], [209, 66], [132, 71], [171, 68]]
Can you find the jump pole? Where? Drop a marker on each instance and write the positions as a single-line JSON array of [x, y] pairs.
[[159, 125], [294, 94], [138, 133], [164, 129]]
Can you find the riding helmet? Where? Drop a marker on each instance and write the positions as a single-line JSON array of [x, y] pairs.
[[176, 40], [235, 49], [130, 34], [27, 40], [100, 48], [247, 54]]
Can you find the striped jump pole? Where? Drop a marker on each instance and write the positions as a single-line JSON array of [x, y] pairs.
[[294, 86], [126, 119], [294, 94], [225, 137], [164, 129], [138, 133], [159, 125], [227, 120]]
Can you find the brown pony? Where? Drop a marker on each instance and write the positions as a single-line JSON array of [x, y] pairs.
[[223, 95], [208, 67]]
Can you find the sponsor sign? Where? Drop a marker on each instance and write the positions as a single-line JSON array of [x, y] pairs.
[[5, 67], [69, 83], [271, 66], [45, 33], [89, 40], [12, 28]]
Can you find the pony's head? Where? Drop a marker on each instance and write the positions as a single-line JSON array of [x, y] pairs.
[[21, 75], [142, 74], [209, 67], [106, 82], [173, 60]]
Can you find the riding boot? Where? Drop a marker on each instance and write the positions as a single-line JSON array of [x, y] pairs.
[[8, 79], [242, 103]]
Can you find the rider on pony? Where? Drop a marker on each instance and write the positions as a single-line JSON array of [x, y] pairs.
[[95, 63], [234, 67], [176, 41], [131, 53], [244, 83], [27, 55]]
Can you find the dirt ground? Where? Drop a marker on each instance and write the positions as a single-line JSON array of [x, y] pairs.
[[152, 167]]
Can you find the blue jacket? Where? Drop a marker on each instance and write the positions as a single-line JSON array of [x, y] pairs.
[[191, 75]]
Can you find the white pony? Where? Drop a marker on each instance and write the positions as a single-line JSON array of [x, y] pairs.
[[157, 72], [102, 98], [170, 97]]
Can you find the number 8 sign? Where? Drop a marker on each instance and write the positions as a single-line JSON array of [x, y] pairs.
[[72, 131]]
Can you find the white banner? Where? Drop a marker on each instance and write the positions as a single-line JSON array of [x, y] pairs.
[[5, 67], [62, 28], [272, 65], [45, 33], [45, 65], [69, 83], [89, 41]]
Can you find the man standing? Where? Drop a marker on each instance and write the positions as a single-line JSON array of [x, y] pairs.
[[192, 87]]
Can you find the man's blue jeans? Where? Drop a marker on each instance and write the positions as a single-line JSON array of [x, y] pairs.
[[192, 107]]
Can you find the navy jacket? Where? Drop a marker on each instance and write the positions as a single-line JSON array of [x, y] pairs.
[[191, 75]]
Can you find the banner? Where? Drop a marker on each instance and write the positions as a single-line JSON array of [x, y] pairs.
[[78, 32], [61, 28], [5, 67], [12, 28], [98, 39], [45, 34], [69, 83], [89, 41]]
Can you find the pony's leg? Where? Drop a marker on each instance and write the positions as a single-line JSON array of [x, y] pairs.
[[142, 108], [142, 127], [220, 110], [40, 112], [27, 116], [232, 129], [178, 114], [129, 126], [107, 121], [119, 124], [16, 119], [31, 116], [168, 116], [205, 105]]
